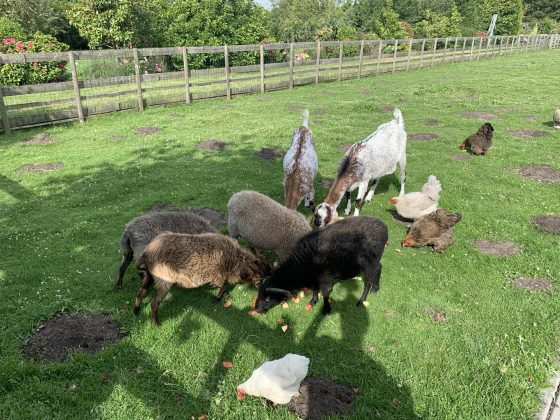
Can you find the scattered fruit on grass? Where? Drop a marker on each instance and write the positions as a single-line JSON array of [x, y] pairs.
[[227, 364], [280, 321], [301, 294], [285, 305], [284, 328], [309, 307], [253, 312], [398, 250], [203, 417], [228, 304], [306, 290], [366, 303], [295, 299], [73, 387]]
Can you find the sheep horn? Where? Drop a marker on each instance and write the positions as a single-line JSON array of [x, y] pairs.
[[284, 292]]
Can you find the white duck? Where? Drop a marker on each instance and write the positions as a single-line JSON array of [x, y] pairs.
[[276, 380], [414, 205]]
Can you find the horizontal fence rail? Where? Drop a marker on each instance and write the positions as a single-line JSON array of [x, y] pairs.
[[112, 80]]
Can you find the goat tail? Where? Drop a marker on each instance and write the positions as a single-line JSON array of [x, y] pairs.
[[305, 117], [398, 116]]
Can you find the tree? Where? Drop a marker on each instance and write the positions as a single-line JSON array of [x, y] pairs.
[[10, 28], [389, 26], [510, 15], [364, 14], [539, 9]]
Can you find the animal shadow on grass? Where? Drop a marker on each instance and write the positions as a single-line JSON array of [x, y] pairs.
[[15, 189]]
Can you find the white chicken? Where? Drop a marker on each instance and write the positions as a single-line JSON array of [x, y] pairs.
[[414, 205], [276, 380]]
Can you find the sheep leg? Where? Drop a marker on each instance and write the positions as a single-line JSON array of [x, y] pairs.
[[222, 292], [326, 288], [163, 288], [127, 258], [309, 199], [371, 282], [362, 188], [314, 298], [369, 195], [402, 167], [147, 281], [348, 204]]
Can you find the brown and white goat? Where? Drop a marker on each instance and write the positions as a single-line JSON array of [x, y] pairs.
[[366, 160], [300, 167]]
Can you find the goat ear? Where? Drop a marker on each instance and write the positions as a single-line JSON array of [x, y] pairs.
[[284, 292]]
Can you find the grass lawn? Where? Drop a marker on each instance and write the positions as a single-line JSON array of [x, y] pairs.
[[487, 355]]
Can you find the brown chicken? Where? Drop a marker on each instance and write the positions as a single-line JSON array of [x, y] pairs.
[[435, 229], [479, 142]]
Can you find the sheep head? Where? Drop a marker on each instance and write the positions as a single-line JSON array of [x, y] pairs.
[[254, 269], [269, 297], [323, 215]]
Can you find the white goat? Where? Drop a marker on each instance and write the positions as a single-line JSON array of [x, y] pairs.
[[370, 159], [300, 167]]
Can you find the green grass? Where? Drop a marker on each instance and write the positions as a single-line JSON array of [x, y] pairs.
[[489, 359]]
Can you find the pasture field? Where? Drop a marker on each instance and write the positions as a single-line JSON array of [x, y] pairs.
[[447, 336]]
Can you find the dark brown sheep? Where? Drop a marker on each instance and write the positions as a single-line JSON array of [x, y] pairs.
[[434, 229], [481, 141], [192, 261]]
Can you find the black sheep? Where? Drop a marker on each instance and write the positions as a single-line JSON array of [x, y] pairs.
[[341, 250]]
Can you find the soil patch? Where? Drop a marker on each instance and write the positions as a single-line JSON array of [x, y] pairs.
[[479, 115], [541, 173], [58, 337], [118, 138], [526, 134], [157, 207], [432, 122], [41, 138], [550, 224], [422, 136], [344, 147], [296, 108], [216, 218], [225, 106], [327, 182], [387, 108], [461, 157], [437, 316], [175, 115], [534, 285], [498, 249], [148, 130], [212, 144], [320, 111], [320, 397], [41, 167], [531, 117], [364, 90], [473, 96], [269, 153]]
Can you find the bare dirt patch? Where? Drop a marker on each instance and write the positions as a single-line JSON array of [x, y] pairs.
[[344, 147], [41, 138], [422, 136], [212, 144], [531, 117], [320, 397], [437, 315], [473, 96], [461, 157], [269, 153], [327, 182], [432, 122], [541, 173], [158, 207], [387, 108], [527, 134], [533, 285], [41, 167], [479, 115], [148, 130], [364, 90], [296, 108], [320, 111], [225, 106], [215, 217], [118, 138], [498, 249], [548, 223], [58, 337]]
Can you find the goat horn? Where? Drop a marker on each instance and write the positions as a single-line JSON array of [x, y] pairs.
[[284, 292]]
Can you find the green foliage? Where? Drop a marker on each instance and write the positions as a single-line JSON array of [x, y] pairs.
[[540, 9], [389, 26], [10, 28], [547, 26], [510, 15], [36, 72], [364, 14]]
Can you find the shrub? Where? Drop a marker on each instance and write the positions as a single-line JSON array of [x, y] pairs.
[[10, 29], [36, 72]]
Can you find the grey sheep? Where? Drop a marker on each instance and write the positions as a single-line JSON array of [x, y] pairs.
[[140, 231], [192, 261], [264, 223]]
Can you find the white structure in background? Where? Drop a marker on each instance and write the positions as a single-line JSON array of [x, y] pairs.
[[492, 25]]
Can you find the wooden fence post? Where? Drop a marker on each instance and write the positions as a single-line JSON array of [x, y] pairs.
[[395, 47], [479, 49], [227, 73], [445, 50], [472, 48], [4, 114], [291, 82], [409, 54], [434, 53], [362, 57], [422, 53], [318, 64], [379, 51], [340, 54], [138, 80], [261, 52], [454, 49], [76, 85], [186, 75], [464, 46], [494, 46], [512, 45]]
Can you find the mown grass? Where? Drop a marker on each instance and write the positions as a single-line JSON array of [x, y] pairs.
[[488, 359]]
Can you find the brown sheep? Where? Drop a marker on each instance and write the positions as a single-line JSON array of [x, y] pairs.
[[479, 142], [192, 261], [434, 229]]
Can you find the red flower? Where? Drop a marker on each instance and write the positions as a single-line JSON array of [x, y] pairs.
[[60, 65], [29, 43], [19, 46], [8, 41]]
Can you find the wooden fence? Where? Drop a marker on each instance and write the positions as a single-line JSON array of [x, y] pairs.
[[277, 66]]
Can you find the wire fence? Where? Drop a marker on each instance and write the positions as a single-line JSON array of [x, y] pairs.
[[112, 80]]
